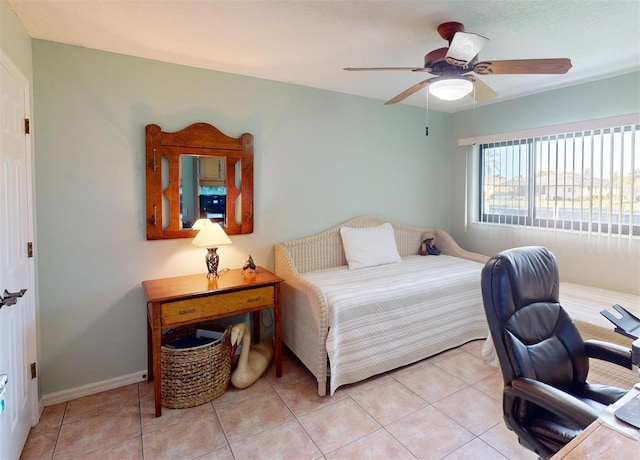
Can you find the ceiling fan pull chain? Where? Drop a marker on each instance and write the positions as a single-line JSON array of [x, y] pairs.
[[426, 129]]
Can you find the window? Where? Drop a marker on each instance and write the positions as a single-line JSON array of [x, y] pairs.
[[586, 181]]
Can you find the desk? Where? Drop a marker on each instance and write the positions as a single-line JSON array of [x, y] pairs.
[[174, 302], [601, 442]]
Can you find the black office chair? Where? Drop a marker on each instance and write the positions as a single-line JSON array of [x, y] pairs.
[[546, 399]]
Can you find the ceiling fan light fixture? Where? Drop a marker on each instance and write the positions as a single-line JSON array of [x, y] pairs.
[[450, 88]]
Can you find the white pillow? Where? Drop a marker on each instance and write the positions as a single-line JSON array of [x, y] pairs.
[[369, 246]]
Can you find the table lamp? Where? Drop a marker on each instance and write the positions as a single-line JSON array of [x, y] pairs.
[[210, 236]]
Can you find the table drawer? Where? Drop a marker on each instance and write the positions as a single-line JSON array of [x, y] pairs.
[[216, 304]]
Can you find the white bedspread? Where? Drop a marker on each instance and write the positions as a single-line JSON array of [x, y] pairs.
[[384, 317]]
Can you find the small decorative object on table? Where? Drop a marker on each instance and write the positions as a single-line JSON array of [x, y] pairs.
[[249, 265]]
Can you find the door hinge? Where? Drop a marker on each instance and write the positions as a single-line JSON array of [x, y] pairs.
[[26, 126], [29, 249], [33, 371]]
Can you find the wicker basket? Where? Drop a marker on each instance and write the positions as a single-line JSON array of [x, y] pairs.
[[196, 375]]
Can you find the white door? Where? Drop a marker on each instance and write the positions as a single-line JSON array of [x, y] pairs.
[[17, 321]]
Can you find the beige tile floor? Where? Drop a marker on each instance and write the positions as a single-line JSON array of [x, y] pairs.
[[448, 406]]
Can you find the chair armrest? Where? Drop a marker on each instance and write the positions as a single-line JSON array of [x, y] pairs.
[[610, 352], [554, 400]]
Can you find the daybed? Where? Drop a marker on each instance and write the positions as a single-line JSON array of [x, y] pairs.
[[375, 319]]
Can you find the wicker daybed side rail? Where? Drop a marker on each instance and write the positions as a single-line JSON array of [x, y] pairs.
[[447, 245], [304, 313]]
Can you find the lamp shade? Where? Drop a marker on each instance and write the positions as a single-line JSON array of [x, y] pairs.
[[211, 236], [450, 88], [198, 224]]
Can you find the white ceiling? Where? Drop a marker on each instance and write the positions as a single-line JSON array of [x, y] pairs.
[[309, 42]]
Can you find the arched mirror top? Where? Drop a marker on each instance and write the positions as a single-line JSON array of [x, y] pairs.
[[198, 172]]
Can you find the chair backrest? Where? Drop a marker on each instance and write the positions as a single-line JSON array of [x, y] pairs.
[[533, 335]]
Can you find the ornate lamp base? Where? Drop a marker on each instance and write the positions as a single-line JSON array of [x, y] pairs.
[[212, 258]]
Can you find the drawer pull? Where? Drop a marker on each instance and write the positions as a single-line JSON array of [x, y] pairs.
[[186, 312], [254, 299]]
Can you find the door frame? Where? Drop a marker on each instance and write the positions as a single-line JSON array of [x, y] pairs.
[[36, 407]]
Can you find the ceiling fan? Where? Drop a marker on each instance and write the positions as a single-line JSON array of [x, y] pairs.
[[452, 67]]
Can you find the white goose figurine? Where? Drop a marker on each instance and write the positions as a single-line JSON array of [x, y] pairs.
[[254, 359]]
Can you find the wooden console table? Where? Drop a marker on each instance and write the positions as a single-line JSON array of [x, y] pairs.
[[173, 302]]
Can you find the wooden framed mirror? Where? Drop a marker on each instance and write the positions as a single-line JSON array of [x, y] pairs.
[[197, 172]]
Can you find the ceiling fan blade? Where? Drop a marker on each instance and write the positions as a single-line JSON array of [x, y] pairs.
[[481, 92], [464, 47], [524, 66], [413, 69], [406, 93]]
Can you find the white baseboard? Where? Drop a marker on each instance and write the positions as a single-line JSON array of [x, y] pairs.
[[92, 388]]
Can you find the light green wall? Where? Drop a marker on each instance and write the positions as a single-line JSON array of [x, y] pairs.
[[14, 40], [320, 158], [607, 263]]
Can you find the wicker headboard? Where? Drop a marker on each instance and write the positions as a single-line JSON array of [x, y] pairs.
[[324, 250]]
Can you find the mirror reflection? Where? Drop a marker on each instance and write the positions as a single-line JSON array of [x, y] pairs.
[[203, 190]]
